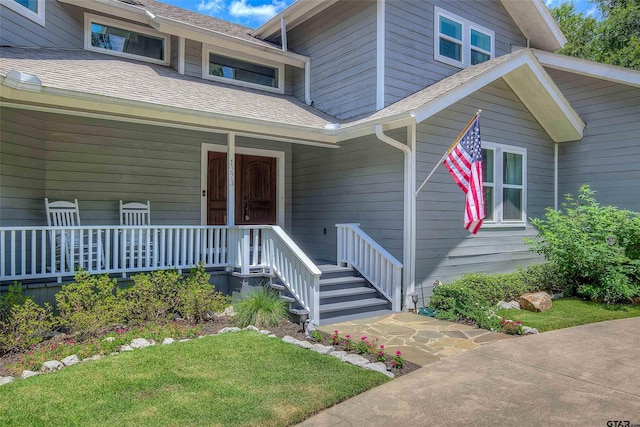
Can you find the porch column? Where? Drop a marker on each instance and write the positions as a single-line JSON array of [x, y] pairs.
[[231, 181]]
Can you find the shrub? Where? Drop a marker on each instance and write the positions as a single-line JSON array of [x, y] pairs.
[[261, 308], [154, 297], [13, 296], [545, 277], [594, 248], [89, 305], [25, 326], [197, 298]]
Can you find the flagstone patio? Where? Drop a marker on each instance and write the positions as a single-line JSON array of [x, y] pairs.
[[421, 339]]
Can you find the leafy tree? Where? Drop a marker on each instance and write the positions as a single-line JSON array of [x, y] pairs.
[[613, 39]]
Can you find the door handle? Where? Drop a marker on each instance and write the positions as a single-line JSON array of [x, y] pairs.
[[246, 209]]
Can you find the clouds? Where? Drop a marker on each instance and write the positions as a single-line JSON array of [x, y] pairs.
[[210, 7], [248, 11]]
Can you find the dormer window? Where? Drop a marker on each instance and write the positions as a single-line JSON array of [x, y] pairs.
[[31, 9], [127, 40], [235, 68], [460, 42]]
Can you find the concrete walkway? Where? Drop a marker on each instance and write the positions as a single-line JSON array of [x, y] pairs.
[[420, 339], [587, 376]]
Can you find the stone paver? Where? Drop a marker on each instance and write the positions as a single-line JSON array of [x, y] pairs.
[[422, 340]]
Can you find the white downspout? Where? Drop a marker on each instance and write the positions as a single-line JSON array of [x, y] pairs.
[[408, 247], [555, 176], [283, 33], [307, 82]]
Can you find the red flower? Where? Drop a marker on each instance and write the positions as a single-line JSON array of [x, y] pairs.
[[398, 353]]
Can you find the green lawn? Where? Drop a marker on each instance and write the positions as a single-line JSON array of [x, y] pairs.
[[231, 379], [569, 312]]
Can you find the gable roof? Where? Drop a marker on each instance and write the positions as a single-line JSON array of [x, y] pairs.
[[531, 16]]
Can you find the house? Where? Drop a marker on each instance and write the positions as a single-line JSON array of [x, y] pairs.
[[269, 151]]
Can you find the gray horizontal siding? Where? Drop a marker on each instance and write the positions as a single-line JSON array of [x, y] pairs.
[[22, 168], [63, 28], [409, 62], [608, 156], [341, 43], [361, 182], [444, 249], [193, 58]]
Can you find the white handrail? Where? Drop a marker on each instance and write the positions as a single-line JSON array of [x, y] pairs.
[[358, 250]]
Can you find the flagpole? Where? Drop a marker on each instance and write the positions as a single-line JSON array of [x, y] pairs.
[[455, 141]]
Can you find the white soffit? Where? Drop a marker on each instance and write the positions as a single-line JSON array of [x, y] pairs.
[[537, 24], [589, 68]]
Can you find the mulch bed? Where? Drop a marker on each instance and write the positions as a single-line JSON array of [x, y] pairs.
[[211, 327]]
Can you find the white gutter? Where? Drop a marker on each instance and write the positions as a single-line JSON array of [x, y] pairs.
[[408, 246]]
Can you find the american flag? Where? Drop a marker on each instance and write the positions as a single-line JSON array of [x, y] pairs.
[[464, 163]]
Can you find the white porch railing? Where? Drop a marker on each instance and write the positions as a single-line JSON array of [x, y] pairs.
[[356, 249], [55, 252]]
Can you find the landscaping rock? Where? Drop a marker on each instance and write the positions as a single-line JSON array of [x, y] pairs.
[[5, 380], [265, 332], [140, 343], [340, 355], [322, 349], [228, 312], [557, 296], [71, 360], [273, 336], [168, 341], [92, 358], [356, 359], [304, 344], [379, 367], [251, 328], [126, 347], [289, 339], [184, 340], [509, 305], [529, 331], [51, 365], [227, 330], [29, 374], [537, 301]]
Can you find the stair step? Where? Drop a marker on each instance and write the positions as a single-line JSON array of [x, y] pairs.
[[330, 271], [350, 317], [287, 299], [299, 311], [352, 305], [341, 280], [346, 292], [277, 286]]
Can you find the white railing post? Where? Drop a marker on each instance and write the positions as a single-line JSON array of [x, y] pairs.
[[246, 252]]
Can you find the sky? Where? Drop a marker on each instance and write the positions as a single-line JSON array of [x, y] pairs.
[[254, 13]]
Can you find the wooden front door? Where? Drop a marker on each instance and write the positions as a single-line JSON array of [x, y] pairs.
[[255, 189]]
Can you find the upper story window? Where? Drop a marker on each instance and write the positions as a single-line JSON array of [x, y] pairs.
[[31, 9], [233, 67], [460, 42], [504, 176], [127, 40]]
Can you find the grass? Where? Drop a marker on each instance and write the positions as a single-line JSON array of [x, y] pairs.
[[231, 379], [569, 312]]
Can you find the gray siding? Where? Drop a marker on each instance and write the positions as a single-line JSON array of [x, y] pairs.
[[100, 162], [193, 58], [341, 43], [22, 168], [63, 28], [608, 156], [361, 182], [409, 62], [444, 249]]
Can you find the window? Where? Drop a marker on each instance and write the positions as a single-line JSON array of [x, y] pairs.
[[126, 40], [31, 9], [223, 65], [504, 175], [460, 42]]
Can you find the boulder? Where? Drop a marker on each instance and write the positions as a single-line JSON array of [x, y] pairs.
[[356, 359], [51, 365], [71, 360], [379, 367], [322, 349], [509, 305], [340, 355], [537, 301], [140, 343]]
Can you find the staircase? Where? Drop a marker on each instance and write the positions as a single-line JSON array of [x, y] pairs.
[[344, 296]]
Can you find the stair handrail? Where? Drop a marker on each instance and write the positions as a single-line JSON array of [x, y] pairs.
[[356, 249]]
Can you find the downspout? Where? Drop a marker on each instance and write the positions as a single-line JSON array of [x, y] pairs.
[[409, 205], [307, 82], [555, 176]]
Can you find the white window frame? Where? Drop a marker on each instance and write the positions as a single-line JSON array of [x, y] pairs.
[[90, 18], [37, 17], [466, 48], [207, 49], [498, 185]]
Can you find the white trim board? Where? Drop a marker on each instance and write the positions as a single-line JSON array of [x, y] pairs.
[[280, 166]]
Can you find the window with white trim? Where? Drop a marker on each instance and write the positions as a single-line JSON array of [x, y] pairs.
[[31, 9], [119, 38], [504, 175], [235, 68], [461, 42]]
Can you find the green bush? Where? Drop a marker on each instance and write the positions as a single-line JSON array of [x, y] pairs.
[[545, 277], [89, 305], [25, 326], [154, 297], [13, 296], [472, 297], [261, 308], [198, 299], [595, 248]]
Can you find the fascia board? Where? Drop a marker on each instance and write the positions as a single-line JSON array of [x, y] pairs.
[[178, 28], [65, 100], [587, 68], [114, 8], [367, 127], [536, 23]]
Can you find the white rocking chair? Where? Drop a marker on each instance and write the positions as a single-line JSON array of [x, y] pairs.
[[76, 244], [134, 242]]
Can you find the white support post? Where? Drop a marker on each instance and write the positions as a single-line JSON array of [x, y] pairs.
[[181, 55], [231, 178], [246, 253]]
